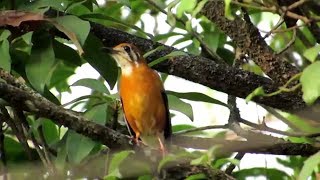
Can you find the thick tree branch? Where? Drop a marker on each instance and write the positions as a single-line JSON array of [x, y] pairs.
[[247, 37], [40, 106], [204, 71], [256, 147], [182, 171], [61, 116]]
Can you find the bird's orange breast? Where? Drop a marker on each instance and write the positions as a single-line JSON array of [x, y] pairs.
[[142, 100]]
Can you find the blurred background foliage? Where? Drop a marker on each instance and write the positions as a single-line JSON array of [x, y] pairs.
[[46, 62]]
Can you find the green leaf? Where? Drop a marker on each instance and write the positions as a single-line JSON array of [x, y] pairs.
[[59, 78], [78, 147], [312, 53], [197, 177], [43, 4], [186, 6], [199, 7], [257, 92], [195, 96], [166, 160], [145, 177], [125, 2], [268, 173], [181, 127], [101, 61], [14, 150], [75, 28], [4, 35], [97, 113], [227, 9], [50, 131], [170, 55], [93, 84], [201, 160], [67, 54], [23, 43], [153, 51], [177, 104], [5, 61], [311, 83], [117, 159], [165, 36], [220, 162], [171, 19], [96, 16], [309, 165], [40, 66]]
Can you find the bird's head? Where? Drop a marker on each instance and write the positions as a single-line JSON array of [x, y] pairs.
[[127, 56]]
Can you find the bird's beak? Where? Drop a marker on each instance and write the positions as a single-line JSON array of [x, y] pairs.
[[109, 50]]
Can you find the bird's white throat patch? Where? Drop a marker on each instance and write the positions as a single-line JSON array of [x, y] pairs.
[[126, 70]]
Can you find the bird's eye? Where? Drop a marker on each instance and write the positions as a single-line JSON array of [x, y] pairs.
[[127, 49]]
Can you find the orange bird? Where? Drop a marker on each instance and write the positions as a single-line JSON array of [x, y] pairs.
[[144, 101]]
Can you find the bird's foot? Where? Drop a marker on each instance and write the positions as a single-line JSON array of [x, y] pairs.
[[162, 148]]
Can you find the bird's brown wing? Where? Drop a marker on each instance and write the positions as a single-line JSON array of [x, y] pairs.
[[167, 127]]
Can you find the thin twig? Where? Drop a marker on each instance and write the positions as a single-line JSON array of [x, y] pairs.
[[19, 116], [280, 117], [297, 4], [231, 167], [45, 148], [264, 127], [293, 39], [20, 135], [201, 129]]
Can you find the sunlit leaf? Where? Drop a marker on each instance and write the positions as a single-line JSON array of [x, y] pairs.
[[312, 53], [257, 92], [227, 9], [309, 165], [111, 19], [186, 6], [170, 55], [311, 83], [75, 28]]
